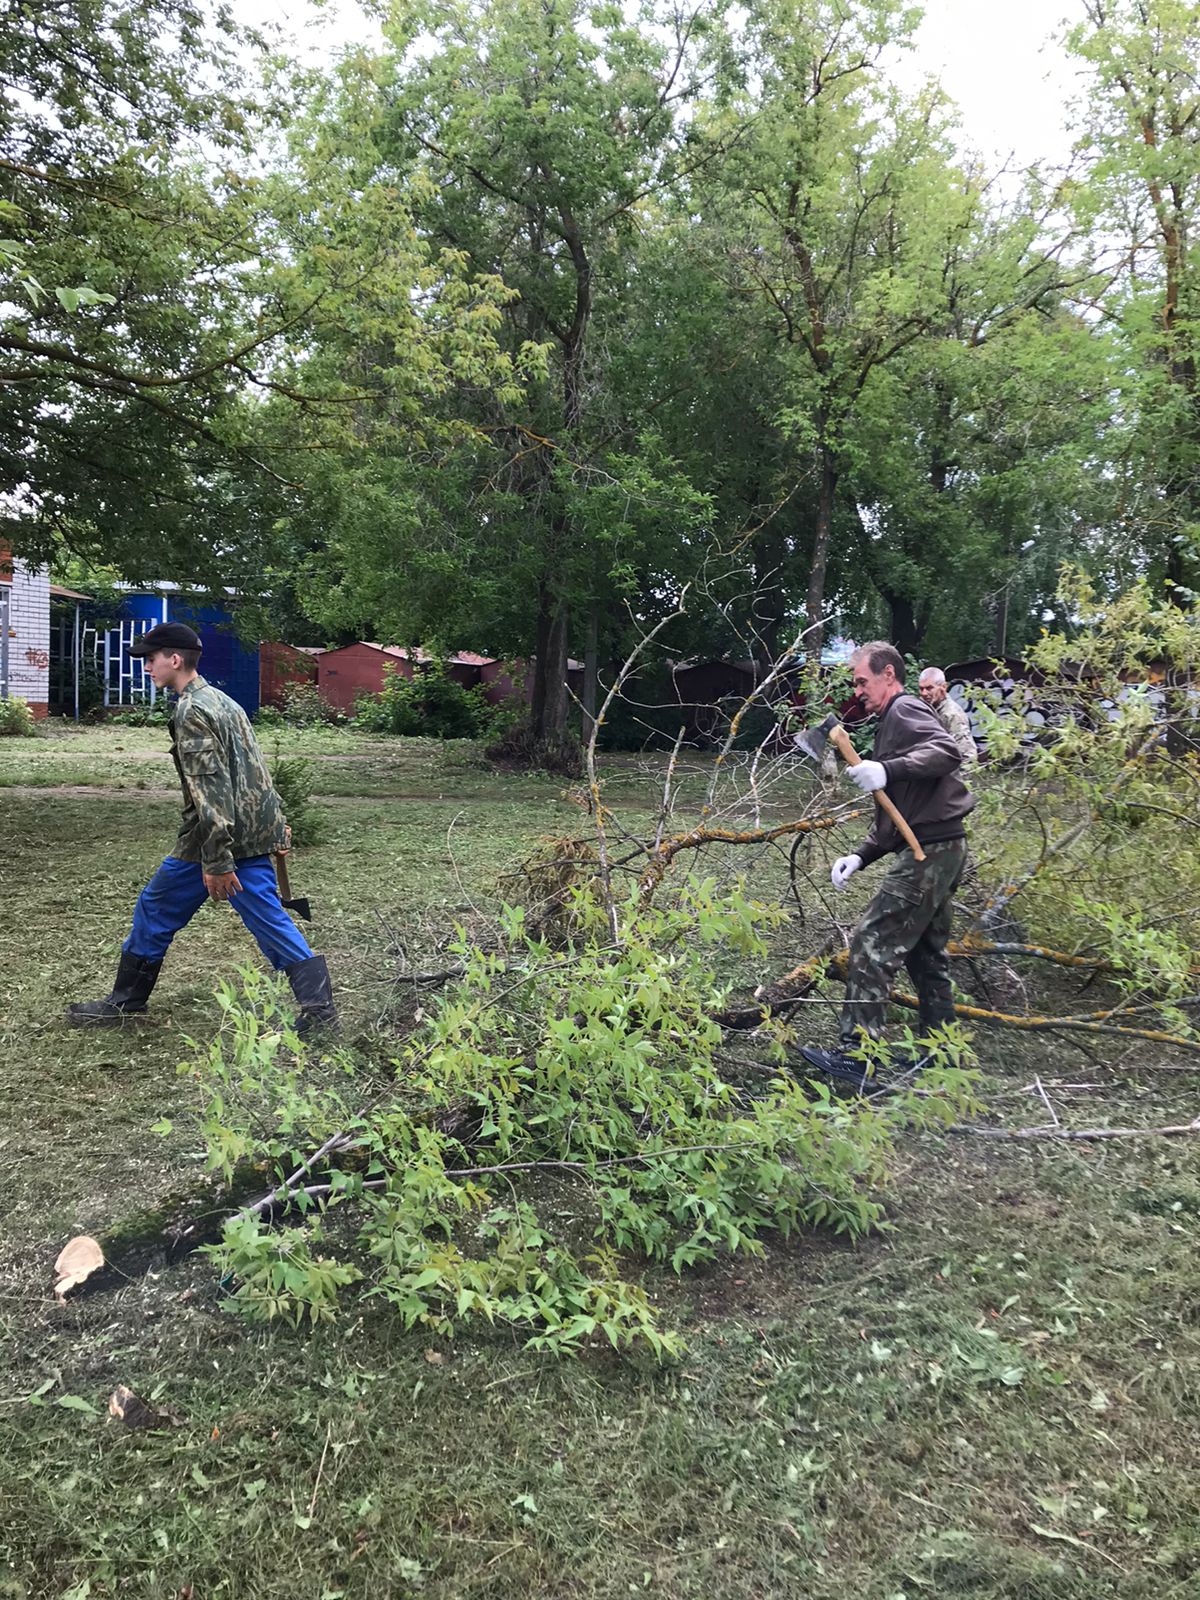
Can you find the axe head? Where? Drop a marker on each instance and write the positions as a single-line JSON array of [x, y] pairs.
[[813, 740], [300, 907]]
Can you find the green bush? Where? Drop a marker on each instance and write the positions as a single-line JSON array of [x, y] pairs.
[[293, 778], [431, 705], [16, 719], [143, 714], [302, 707]]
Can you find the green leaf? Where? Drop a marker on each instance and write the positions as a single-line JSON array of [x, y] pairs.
[[75, 1402]]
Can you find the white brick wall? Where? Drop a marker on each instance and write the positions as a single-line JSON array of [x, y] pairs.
[[29, 640]]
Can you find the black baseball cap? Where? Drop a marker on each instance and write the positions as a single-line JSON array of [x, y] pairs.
[[166, 636]]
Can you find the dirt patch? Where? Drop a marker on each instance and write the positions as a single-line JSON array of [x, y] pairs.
[[85, 791]]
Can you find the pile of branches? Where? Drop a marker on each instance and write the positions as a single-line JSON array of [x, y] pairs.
[[561, 1110]]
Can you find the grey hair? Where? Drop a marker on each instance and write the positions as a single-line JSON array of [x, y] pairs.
[[932, 675], [880, 655]]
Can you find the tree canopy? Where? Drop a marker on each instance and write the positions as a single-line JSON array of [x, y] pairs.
[[497, 335]]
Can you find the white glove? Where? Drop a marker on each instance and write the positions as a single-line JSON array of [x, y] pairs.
[[867, 776], [844, 869]]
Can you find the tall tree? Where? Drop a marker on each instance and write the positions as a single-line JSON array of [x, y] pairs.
[[1140, 127], [169, 289], [126, 318], [840, 204], [973, 457], [545, 128]]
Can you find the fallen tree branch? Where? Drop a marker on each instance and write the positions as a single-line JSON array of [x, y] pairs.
[[665, 853], [322, 1191], [968, 948], [972, 945], [1083, 1024], [772, 998], [1004, 896], [664, 810], [794, 985], [557, 1164], [605, 869]]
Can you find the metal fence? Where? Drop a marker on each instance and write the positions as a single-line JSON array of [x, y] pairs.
[[123, 677]]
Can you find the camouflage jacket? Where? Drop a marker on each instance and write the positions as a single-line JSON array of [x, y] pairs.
[[958, 725], [231, 810]]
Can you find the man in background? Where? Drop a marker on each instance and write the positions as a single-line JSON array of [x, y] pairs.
[[933, 690]]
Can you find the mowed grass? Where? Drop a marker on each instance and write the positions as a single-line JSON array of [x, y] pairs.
[[994, 1398], [126, 756], [120, 755]]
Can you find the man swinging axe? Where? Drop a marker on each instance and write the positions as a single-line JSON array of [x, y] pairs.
[[233, 823], [908, 922]]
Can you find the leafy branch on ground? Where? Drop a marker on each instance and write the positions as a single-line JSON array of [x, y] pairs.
[[559, 1115]]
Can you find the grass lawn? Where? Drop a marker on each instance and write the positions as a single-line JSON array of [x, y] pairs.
[[995, 1398]]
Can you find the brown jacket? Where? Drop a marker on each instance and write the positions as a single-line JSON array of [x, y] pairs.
[[922, 762]]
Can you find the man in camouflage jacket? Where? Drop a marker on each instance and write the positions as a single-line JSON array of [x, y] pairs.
[[908, 921], [232, 824], [932, 688]]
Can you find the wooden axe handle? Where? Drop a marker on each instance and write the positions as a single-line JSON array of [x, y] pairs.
[[281, 874], [851, 757]]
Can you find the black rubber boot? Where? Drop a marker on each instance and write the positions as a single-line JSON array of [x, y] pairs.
[[136, 978], [314, 995]]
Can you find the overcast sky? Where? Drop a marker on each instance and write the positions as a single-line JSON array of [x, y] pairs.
[[998, 59], [1003, 66]]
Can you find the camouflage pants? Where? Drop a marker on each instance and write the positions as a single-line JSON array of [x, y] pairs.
[[907, 922]]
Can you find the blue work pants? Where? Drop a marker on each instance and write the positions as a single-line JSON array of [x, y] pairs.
[[176, 892]]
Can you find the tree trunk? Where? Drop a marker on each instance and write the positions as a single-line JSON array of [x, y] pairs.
[[591, 669], [905, 628], [551, 704], [1000, 615], [541, 656], [550, 699], [815, 609]]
